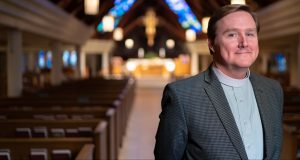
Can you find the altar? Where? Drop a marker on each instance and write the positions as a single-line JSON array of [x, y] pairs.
[[155, 67]]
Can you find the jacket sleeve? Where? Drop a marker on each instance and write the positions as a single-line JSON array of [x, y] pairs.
[[171, 136]]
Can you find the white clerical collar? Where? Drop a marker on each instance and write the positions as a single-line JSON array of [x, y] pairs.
[[226, 80]]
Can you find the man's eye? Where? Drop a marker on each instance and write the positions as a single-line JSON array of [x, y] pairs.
[[251, 34], [231, 34]]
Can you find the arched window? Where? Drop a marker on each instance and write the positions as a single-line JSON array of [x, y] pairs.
[[41, 59], [277, 63]]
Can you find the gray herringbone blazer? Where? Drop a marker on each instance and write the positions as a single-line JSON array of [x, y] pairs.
[[196, 121]]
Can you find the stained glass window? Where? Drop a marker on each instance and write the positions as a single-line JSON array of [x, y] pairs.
[[73, 58], [186, 17], [41, 59], [49, 60], [69, 58], [66, 57], [119, 9]]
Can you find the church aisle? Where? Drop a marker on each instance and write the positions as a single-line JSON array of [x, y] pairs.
[[138, 143]]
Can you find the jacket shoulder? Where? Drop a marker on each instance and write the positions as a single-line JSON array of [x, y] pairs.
[[188, 82]]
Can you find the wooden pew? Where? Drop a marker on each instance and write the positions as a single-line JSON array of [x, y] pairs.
[[101, 93], [86, 153], [47, 126], [290, 143], [122, 106], [20, 147], [64, 117], [292, 101]]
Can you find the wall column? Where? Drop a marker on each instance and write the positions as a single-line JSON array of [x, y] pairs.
[[105, 64], [14, 63], [78, 73], [194, 63], [82, 64], [56, 71]]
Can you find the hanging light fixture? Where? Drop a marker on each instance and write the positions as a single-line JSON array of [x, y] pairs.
[[205, 21], [108, 23], [91, 7], [118, 34], [170, 43], [238, 2], [129, 43], [190, 35], [150, 22]]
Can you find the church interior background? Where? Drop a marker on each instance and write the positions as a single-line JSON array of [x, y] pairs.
[[68, 55]]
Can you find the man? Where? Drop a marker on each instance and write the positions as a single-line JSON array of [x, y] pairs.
[[226, 112]]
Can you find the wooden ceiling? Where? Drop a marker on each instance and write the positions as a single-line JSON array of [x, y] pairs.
[[168, 26]]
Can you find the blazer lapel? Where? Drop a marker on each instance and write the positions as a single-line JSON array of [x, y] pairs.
[[217, 96], [265, 115]]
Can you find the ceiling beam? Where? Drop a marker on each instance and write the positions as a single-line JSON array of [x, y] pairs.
[[178, 33], [128, 15], [129, 28], [196, 8]]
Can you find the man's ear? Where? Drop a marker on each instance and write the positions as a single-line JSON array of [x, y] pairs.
[[211, 46]]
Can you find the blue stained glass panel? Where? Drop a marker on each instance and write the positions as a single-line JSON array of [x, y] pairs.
[[49, 60], [186, 17], [119, 9], [281, 62], [41, 59], [73, 58], [65, 58]]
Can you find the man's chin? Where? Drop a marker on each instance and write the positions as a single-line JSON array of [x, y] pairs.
[[242, 66]]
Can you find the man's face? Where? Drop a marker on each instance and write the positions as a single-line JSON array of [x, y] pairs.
[[236, 43]]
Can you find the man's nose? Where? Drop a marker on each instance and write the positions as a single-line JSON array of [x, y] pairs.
[[242, 41]]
